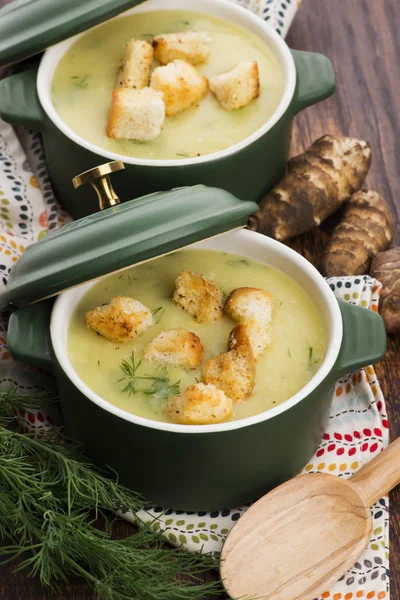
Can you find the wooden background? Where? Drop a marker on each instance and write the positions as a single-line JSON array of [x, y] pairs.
[[362, 39]]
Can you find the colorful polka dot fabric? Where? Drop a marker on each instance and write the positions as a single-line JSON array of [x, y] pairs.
[[358, 426]]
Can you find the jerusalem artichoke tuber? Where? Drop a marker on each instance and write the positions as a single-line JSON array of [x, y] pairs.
[[316, 184], [386, 268], [365, 230]]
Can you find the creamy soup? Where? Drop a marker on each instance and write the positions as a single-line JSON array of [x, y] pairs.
[[86, 76], [295, 354]]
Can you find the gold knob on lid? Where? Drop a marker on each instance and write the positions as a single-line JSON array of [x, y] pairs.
[[99, 178]]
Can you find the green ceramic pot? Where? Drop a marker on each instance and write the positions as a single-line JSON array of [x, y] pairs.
[[248, 169], [212, 466]]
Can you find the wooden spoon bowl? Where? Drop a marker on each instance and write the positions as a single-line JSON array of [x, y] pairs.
[[304, 535]]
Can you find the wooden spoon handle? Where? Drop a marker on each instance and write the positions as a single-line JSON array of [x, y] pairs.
[[379, 476]]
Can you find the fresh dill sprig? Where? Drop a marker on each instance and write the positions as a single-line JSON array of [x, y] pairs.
[[49, 495], [161, 386], [11, 401], [158, 313], [129, 368]]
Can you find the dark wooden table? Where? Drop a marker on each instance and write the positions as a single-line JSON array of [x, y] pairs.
[[362, 39]]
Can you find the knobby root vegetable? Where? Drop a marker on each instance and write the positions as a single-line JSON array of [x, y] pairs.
[[386, 268], [316, 184], [365, 230]]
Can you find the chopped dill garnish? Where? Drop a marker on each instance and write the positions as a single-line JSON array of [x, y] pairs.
[[185, 154], [310, 355], [288, 351], [98, 363], [280, 303], [161, 385], [158, 313], [312, 360], [82, 83], [148, 35], [197, 380], [237, 262]]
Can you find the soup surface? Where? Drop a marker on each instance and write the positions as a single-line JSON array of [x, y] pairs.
[[296, 351], [86, 76]]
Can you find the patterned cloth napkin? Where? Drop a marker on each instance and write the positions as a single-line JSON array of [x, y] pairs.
[[358, 427]]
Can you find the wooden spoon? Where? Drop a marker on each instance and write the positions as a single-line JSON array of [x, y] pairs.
[[303, 536]]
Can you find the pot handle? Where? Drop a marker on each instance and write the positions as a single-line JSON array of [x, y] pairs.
[[19, 101], [28, 335], [364, 339], [315, 79]]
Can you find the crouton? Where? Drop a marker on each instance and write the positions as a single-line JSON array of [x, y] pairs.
[[192, 46], [250, 304], [251, 332], [121, 320], [199, 296], [238, 87], [134, 71], [177, 347], [233, 372], [181, 85], [136, 114], [199, 404]]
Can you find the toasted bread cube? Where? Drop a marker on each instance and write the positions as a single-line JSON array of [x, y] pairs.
[[181, 85], [136, 114], [192, 46], [199, 404], [134, 71], [177, 347], [199, 296], [238, 87], [252, 308], [250, 332], [233, 372], [250, 304], [121, 320]]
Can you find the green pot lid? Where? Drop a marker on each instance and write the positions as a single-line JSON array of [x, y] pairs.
[[121, 236], [30, 26]]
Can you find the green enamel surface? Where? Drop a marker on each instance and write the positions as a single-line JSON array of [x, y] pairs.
[[215, 470], [122, 236], [19, 102], [315, 79], [46, 22], [364, 341], [28, 335]]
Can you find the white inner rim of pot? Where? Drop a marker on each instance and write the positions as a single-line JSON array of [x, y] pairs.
[[253, 245], [223, 9]]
